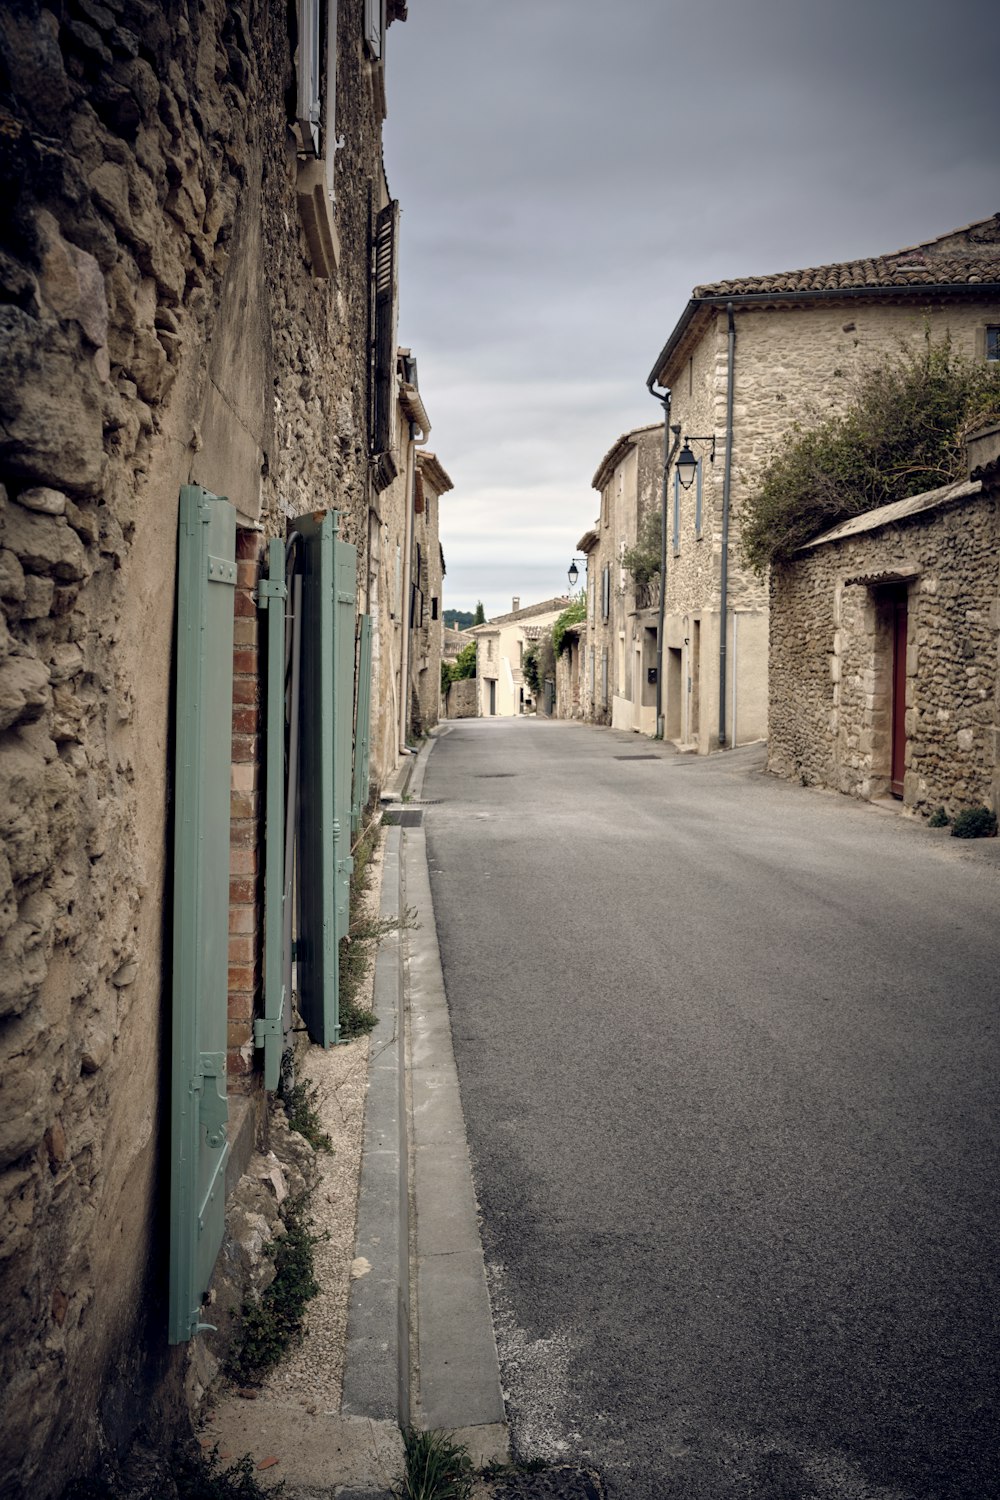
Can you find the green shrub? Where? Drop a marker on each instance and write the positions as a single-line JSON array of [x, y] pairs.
[[271, 1325], [572, 615], [903, 433], [643, 560], [529, 669], [301, 1108], [975, 823], [464, 664], [939, 819]]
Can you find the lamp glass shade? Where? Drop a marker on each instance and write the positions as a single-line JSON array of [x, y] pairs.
[[687, 467], [573, 575]]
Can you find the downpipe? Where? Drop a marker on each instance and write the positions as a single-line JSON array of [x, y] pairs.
[[726, 492], [664, 397]]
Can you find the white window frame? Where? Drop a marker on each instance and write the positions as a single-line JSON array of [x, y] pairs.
[[375, 29], [308, 103]]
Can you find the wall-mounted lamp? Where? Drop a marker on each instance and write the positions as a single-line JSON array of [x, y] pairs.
[[687, 464], [574, 571]]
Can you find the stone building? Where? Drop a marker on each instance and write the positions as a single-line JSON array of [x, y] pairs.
[[427, 614], [747, 359], [620, 642], [500, 651], [570, 676], [884, 663], [193, 205]]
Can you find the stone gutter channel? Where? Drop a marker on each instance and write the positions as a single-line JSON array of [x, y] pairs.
[[419, 1347]]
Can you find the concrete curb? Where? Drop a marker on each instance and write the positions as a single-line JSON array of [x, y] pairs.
[[417, 1212], [376, 1366]]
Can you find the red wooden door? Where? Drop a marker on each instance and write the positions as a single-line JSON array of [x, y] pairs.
[[898, 696]]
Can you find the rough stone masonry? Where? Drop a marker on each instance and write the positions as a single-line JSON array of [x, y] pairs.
[[160, 323]]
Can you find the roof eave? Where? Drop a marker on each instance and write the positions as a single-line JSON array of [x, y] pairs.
[[960, 289]]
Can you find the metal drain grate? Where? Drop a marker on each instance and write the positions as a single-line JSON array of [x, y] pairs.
[[494, 775], [404, 817], [637, 757]]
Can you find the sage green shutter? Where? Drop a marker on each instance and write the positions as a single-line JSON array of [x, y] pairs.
[[267, 1029], [316, 943], [206, 579], [345, 616], [363, 727]]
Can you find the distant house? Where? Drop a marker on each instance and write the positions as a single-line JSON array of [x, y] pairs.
[[884, 667], [426, 623], [619, 645], [501, 644], [746, 360]]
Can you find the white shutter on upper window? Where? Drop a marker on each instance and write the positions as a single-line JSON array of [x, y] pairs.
[[308, 84], [374, 26]]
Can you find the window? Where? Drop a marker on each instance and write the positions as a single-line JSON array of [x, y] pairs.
[[434, 608], [386, 308], [308, 85], [606, 591], [993, 341], [374, 28]]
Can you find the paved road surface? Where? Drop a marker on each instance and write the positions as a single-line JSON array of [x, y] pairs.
[[728, 1058]]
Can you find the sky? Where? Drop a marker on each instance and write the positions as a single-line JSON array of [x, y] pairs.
[[569, 170]]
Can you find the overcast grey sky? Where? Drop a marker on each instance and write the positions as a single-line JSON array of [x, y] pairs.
[[568, 170]]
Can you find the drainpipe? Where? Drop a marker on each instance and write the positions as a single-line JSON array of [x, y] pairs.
[[404, 651], [664, 399], [726, 491]]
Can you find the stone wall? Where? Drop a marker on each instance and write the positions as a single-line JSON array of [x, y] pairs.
[[462, 699], [160, 324], [831, 656]]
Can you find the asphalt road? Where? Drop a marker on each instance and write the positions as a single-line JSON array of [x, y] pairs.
[[728, 1059]]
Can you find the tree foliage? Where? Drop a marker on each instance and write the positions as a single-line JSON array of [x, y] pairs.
[[529, 668], [576, 612], [903, 433], [464, 664], [480, 615], [643, 560]]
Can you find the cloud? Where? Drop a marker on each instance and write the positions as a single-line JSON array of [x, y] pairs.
[[568, 172]]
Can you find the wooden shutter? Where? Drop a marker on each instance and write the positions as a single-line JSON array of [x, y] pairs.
[[268, 1028], [676, 529], [329, 594], [386, 306], [374, 27], [362, 728], [316, 946], [308, 74], [206, 579]]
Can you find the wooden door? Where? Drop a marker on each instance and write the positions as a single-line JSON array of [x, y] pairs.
[[898, 694]]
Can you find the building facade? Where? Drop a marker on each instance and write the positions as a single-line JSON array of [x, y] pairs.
[[501, 644], [196, 380], [746, 361]]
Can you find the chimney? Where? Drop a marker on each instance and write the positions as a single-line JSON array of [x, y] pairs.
[[516, 603]]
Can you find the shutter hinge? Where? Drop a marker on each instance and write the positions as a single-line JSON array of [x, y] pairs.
[[270, 588], [213, 1108], [221, 570], [264, 1027]]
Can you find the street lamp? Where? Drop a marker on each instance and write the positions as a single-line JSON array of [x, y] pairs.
[[574, 571], [687, 464]]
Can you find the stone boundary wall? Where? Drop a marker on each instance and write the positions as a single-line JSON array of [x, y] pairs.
[[830, 660], [462, 700]]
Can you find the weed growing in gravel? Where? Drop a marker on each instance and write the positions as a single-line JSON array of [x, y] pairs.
[[187, 1473], [271, 1325], [437, 1468], [358, 947], [302, 1109], [199, 1476]]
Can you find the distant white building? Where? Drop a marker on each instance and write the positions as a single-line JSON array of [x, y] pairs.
[[501, 644]]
